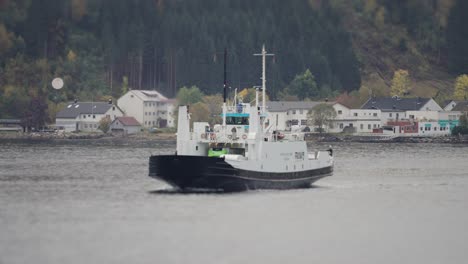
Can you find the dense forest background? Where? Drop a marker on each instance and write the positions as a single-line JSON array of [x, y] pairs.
[[103, 47]]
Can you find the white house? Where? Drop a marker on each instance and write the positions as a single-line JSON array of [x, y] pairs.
[[433, 115], [395, 108], [355, 120], [126, 125], [85, 116], [149, 108], [283, 115]]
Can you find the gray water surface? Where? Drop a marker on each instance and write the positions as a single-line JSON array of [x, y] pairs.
[[91, 202]]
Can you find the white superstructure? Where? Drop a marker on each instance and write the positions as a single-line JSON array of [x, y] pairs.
[[247, 141]]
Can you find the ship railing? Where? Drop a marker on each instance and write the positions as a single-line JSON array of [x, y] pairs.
[[241, 109], [285, 136], [217, 137]]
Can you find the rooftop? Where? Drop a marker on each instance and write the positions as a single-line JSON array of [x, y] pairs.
[[149, 95], [282, 106], [461, 106], [127, 121], [395, 103], [72, 110]]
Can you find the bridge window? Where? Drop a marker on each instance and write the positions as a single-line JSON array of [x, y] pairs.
[[234, 120]]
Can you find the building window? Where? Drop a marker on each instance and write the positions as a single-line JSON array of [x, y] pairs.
[[84, 116], [355, 114], [113, 108], [94, 116], [362, 126], [422, 129], [340, 112], [85, 125], [375, 126], [369, 126], [304, 122], [390, 115], [341, 125], [294, 112], [375, 114]]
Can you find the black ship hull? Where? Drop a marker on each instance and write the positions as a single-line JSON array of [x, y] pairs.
[[198, 172]]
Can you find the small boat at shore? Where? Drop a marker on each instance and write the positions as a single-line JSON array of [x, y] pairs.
[[242, 153]]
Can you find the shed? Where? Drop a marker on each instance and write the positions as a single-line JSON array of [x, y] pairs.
[[126, 125]]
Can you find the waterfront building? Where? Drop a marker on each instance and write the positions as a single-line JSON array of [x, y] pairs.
[[355, 120], [149, 108], [11, 125], [396, 108], [287, 115], [125, 125], [85, 116]]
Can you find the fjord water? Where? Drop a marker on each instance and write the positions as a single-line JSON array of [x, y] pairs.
[[91, 202]]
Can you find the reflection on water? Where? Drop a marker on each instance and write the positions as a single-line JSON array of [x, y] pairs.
[[91, 202]]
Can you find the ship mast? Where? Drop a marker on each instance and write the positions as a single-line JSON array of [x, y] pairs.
[[225, 88], [263, 54]]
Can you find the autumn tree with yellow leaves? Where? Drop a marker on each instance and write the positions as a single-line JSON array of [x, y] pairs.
[[461, 88], [400, 83]]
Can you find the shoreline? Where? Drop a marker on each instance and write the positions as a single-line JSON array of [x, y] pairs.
[[63, 137], [379, 139], [84, 136]]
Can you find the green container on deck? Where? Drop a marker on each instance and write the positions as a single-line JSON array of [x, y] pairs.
[[216, 152]]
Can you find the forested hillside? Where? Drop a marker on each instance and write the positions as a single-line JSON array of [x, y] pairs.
[[426, 38], [103, 47]]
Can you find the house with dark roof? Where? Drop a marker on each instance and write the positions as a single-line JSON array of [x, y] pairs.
[[396, 108], [462, 106], [85, 116], [449, 105], [125, 125]]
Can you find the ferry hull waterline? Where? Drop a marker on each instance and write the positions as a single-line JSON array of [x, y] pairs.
[[202, 173], [245, 152]]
